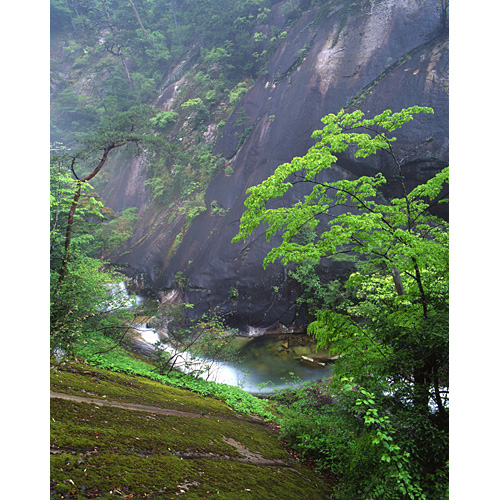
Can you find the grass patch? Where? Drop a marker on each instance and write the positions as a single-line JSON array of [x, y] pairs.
[[109, 452], [119, 360], [98, 383]]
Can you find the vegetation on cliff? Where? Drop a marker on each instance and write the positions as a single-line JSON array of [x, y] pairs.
[[380, 430], [130, 49], [115, 58], [193, 61], [110, 63]]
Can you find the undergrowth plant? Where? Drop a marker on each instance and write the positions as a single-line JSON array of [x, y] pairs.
[[397, 479], [105, 354]]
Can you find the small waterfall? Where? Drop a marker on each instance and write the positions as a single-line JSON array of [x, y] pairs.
[[257, 376], [259, 372], [208, 369], [119, 297]]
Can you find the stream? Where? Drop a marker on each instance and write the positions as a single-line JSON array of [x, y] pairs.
[[266, 363]]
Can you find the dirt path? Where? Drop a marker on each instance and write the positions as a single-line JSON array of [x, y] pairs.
[[247, 455], [125, 406]]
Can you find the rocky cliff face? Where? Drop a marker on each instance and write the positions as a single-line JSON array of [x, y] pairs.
[[372, 55]]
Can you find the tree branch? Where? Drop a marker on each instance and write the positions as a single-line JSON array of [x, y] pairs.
[[76, 198]]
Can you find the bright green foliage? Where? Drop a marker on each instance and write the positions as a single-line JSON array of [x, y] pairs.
[[392, 334], [84, 302], [216, 55], [318, 427], [163, 119], [86, 305], [236, 93], [195, 103], [200, 109], [62, 188], [336, 137]]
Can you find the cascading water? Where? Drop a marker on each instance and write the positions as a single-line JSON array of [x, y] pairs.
[[211, 370], [259, 371], [119, 297], [264, 364]]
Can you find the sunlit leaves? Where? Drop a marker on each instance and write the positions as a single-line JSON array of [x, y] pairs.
[[62, 189], [395, 323], [394, 233], [83, 304]]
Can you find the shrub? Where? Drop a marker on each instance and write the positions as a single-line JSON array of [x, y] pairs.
[[164, 119]]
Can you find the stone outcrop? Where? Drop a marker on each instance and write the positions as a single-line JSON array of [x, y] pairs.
[[372, 55]]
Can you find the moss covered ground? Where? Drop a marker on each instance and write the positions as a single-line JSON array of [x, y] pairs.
[[135, 449]]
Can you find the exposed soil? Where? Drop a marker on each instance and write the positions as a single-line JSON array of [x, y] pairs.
[[124, 406]]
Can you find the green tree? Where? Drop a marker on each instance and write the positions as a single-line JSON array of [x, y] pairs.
[[130, 127], [393, 335], [140, 24], [164, 119], [81, 298], [84, 304], [62, 190]]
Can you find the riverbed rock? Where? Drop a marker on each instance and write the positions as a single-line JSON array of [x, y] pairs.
[[312, 362]]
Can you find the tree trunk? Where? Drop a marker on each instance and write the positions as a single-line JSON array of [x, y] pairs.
[[423, 297], [76, 198], [124, 64], [102, 101], [397, 280], [141, 25]]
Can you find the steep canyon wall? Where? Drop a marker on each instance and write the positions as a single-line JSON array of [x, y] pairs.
[[373, 55]]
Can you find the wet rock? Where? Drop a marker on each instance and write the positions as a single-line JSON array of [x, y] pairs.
[[312, 362], [370, 56]]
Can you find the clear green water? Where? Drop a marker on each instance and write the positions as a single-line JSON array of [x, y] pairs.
[[262, 363]]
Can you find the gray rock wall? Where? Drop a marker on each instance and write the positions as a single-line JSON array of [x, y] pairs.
[[372, 56]]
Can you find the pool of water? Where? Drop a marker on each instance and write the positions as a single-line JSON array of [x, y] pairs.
[[263, 363]]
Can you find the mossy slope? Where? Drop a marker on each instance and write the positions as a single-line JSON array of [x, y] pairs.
[[108, 452]]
